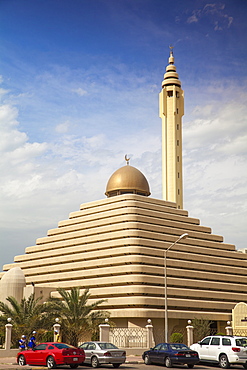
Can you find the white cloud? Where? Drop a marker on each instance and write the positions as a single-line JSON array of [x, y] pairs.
[[215, 13], [8, 116], [80, 91], [215, 169], [62, 128]]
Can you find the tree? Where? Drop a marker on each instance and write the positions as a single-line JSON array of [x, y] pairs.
[[77, 316], [28, 315], [201, 328]]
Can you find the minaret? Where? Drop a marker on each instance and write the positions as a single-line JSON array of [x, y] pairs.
[[171, 112]]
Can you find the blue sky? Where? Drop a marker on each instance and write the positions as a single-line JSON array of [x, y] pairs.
[[79, 89]]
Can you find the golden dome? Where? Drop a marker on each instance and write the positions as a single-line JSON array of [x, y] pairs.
[[127, 179]]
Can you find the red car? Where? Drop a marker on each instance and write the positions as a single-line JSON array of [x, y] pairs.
[[51, 354]]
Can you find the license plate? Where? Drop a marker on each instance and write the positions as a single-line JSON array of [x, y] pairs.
[[75, 358], [187, 355]]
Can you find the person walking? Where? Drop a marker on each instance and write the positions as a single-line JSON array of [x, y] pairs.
[[57, 336], [22, 343], [32, 341]]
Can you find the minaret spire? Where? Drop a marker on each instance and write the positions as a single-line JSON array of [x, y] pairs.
[[171, 112], [171, 59]]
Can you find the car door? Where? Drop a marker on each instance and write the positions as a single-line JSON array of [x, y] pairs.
[[162, 353], [203, 348], [37, 354], [214, 348], [87, 353], [154, 354], [90, 351]]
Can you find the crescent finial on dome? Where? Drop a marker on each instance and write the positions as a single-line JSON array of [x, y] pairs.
[[127, 159], [171, 50]]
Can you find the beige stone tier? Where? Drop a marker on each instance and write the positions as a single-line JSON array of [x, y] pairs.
[[115, 247]]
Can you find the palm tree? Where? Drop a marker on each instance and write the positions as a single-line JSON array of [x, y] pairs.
[[28, 315], [77, 317]]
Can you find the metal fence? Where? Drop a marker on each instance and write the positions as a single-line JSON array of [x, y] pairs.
[[129, 337], [240, 332]]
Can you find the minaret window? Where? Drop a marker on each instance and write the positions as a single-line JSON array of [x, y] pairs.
[[169, 93], [177, 142], [178, 158], [177, 126], [177, 94]]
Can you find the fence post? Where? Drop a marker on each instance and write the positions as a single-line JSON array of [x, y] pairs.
[[104, 332], [150, 336], [229, 329], [8, 330], [190, 330]]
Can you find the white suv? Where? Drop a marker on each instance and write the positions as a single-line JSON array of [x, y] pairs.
[[224, 349]]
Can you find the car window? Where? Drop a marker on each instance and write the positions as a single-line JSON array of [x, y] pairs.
[[205, 341], [91, 346], [215, 341], [62, 345], [40, 346], [157, 348], [107, 346], [164, 347], [226, 341], [84, 345], [178, 346], [241, 342], [51, 347]]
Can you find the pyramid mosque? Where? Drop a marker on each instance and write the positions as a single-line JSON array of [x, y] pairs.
[[115, 246]]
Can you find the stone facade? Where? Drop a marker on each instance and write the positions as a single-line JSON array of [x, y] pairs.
[[115, 247]]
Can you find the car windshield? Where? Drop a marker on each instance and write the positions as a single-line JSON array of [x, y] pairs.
[[241, 342], [107, 346], [178, 346]]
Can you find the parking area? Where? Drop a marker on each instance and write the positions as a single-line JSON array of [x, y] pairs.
[[132, 363]]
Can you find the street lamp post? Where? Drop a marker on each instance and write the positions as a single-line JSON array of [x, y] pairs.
[[166, 315]]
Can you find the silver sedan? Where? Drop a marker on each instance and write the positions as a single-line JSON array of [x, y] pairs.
[[98, 353]]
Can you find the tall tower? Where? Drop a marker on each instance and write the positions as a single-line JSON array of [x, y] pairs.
[[171, 112]]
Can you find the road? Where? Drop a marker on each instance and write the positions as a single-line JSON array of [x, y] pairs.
[[129, 366]]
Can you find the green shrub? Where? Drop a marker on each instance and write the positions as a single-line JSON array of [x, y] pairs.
[[176, 338]]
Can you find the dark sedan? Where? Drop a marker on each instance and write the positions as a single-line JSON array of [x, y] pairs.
[[169, 354]]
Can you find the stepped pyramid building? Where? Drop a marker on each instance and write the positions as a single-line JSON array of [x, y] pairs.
[[115, 247]]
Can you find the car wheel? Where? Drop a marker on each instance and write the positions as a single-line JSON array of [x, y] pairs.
[[190, 366], [73, 366], [168, 362], [224, 363], [94, 361], [51, 363], [147, 360], [116, 365], [21, 360]]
